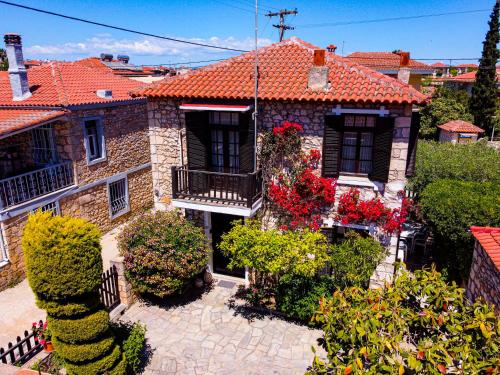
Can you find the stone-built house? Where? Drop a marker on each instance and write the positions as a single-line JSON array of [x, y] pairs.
[[395, 64], [459, 131], [72, 140], [203, 135], [484, 278]]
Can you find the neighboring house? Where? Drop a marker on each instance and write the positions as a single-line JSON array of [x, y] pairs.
[[466, 68], [394, 64], [459, 131], [73, 141], [484, 278], [466, 81], [202, 133], [440, 69], [121, 66]]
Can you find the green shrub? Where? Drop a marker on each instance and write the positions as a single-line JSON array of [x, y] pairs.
[[86, 328], [162, 252], [468, 162], [354, 260], [440, 111], [273, 252], [131, 338], [299, 296], [64, 265], [58, 243], [451, 207], [420, 325]]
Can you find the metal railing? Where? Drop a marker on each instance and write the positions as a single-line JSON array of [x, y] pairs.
[[27, 186], [216, 187]]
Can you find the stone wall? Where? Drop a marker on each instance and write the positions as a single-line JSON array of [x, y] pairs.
[[127, 146], [484, 278]]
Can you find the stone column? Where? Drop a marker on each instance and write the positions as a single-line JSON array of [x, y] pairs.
[[127, 296]]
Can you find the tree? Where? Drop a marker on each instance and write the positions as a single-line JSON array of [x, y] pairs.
[[4, 63], [443, 108], [64, 266], [484, 91]]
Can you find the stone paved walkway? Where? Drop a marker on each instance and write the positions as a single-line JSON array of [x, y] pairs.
[[209, 336]]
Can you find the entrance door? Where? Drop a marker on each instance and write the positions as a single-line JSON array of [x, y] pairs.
[[221, 223]]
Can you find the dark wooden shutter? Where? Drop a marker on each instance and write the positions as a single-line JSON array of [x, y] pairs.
[[332, 145], [198, 139], [382, 148], [412, 144], [247, 137]]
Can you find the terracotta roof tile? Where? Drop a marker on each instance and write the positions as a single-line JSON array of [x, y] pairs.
[[284, 70], [65, 84], [12, 119], [489, 238], [468, 77], [460, 126], [439, 64], [385, 61]]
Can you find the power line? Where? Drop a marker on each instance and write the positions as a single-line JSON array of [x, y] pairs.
[[121, 28], [237, 7], [344, 23]]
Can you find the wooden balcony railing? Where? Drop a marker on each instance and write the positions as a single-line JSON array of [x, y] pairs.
[[215, 187], [27, 186]]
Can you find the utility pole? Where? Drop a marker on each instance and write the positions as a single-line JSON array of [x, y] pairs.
[[282, 27]]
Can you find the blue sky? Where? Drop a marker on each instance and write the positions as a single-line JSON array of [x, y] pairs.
[[231, 23]]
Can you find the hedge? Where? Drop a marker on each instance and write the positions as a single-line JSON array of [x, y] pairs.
[[64, 266], [451, 207], [80, 329], [469, 162]]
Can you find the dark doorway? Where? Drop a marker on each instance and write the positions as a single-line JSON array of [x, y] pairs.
[[221, 223]]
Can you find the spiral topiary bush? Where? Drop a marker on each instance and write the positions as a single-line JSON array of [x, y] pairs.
[[64, 266], [162, 253]]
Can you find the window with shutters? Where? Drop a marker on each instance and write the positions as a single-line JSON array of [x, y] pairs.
[[94, 140], [118, 197], [225, 142], [357, 144]]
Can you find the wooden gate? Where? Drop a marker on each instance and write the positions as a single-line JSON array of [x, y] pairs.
[[109, 292]]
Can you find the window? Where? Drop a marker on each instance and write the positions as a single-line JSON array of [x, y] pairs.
[[224, 118], [94, 141], [225, 142], [52, 207], [357, 144], [118, 197], [44, 148], [217, 150]]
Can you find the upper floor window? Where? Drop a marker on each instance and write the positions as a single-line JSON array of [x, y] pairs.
[[44, 145], [357, 144], [223, 118], [118, 197], [94, 140]]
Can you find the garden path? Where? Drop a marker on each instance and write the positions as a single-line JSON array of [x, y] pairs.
[[213, 334]]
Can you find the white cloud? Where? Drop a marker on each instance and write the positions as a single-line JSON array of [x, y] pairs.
[[145, 46]]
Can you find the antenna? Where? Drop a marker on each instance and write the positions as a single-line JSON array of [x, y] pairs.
[[282, 27]]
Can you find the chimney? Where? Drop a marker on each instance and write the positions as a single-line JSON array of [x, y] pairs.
[[17, 71], [404, 69], [318, 75], [331, 48], [123, 58]]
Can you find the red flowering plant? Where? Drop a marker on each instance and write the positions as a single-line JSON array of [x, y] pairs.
[[41, 332], [298, 195], [353, 210]]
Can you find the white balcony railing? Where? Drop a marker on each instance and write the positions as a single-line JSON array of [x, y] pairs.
[[27, 186]]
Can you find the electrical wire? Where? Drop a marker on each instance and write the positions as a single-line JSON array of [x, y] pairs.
[[344, 23], [121, 28]]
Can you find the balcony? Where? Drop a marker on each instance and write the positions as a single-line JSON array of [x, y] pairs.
[[239, 194], [31, 185]]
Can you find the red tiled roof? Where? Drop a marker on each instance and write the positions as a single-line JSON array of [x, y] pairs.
[[489, 238], [64, 84], [467, 66], [468, 77], [385, 61], [439, 64], [284, 71], [12, 119], [460, 126]]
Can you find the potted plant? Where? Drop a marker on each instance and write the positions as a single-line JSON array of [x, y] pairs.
[[43, 335]]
